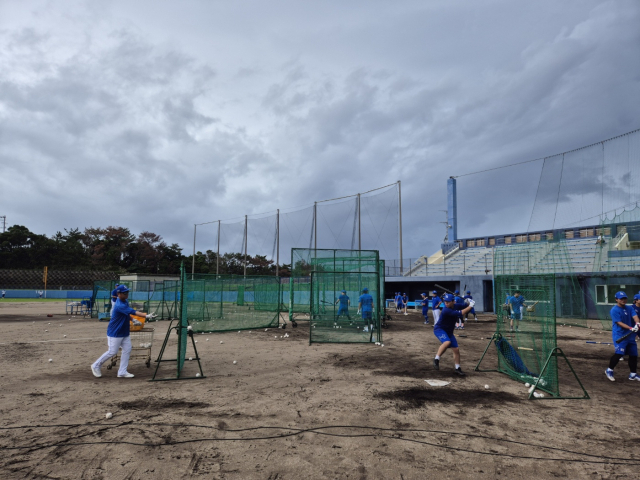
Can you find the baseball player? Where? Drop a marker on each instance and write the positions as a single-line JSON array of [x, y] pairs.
[[473, 310], [459, 301], [517, 304], [114, 297], [398, 300], [436, 307], [365, 306], [625, 319], [118, 334], [425, 308], [443, 330], [3, 293], [345, 303], [405, 302]]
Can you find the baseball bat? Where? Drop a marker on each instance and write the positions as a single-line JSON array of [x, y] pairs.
[[625, 336], [602, 343], [445, 289]]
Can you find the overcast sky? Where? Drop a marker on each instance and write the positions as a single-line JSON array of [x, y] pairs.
[[155, 115]]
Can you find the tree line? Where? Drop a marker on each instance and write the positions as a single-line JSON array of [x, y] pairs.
[[117, 249]]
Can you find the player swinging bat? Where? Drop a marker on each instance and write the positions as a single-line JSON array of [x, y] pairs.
[[626, 324]]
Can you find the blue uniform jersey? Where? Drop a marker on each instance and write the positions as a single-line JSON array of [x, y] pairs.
[[405, 299], [624, 315], [468, 296], [436, 302], [425, 305], [398, 300], [516, 302], [344, 301], [366, 301], [114, 295], [449, 317], [119, 323]]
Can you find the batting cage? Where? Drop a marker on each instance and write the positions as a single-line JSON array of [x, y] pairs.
[[345, 307], [525, 338], [164, 300], [304, 261], [221, 303], [550, 256]]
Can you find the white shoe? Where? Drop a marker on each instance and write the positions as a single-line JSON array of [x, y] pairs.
[[405, 313], [96, 371], [126, 375]]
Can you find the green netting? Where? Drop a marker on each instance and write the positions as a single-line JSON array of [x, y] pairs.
[[330, 324], [523, 352], [220, 303], [543, 258], [139, 295], [307, 260], [163, 301]]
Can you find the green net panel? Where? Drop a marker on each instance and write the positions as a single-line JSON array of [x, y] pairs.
[[523, 352], [163, 300], [544, 258], [220, 303], [307, 260], [332, 324]]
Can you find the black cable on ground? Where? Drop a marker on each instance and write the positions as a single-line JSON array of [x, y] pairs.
[[317, 431]]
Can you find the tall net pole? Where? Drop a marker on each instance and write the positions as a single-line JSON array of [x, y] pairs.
[[193, 260], [277, 242], [218, 251], [400, 223], [245, 245], [315, 225], [359, 225]]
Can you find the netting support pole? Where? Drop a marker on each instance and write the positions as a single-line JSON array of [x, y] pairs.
[[218, 251], [193, 260], [557, 352], [400, 224], [495, 336], [245, 245], [359, 224], [315, 225], [277, 242]]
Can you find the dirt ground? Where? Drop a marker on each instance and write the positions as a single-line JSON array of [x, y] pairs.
[[288, 410]]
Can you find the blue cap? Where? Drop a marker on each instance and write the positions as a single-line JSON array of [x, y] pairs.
[[365, 290], [344, 291], [468, 291], [457, 292], [621, 295], [636, 296], [122, 289], [448, 297], [435, 292], [423, 294]]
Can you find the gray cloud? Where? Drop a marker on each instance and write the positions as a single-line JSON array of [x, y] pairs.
[[185, 115]]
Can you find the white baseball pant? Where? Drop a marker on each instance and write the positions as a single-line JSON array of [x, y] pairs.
[[114, 345]]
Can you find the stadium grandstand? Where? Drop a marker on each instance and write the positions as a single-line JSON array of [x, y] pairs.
[[584, 227]]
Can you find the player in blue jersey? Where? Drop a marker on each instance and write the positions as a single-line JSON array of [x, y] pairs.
[[118, 334], [425, 308], [345, 303], [436, 307], [451, 314], [459, 302], [398, 300], [114, 298], [516, 303], [405, 302], [473, 310], [624, 320], [365, 307]]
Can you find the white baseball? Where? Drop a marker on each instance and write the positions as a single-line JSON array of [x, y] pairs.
[[207, 339], [109, 415], [189, 327], [51, 360], [221, 341], [196, 341], [46, 330], [64, 336], [190, 358], [486, 387], [234, 362], [382, 345], [527, 385], [197, 374]]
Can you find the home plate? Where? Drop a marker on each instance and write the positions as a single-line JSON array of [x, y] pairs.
[[437, 383]]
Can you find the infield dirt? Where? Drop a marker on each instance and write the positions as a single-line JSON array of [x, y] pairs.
[[288, 410]]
